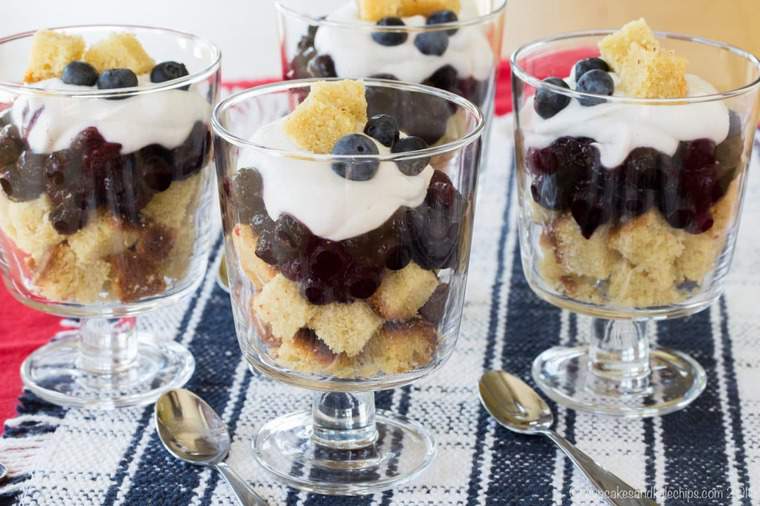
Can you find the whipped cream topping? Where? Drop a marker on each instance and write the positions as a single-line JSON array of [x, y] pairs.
[[356, 55], [50, 123], [332, 207], [619, 128]]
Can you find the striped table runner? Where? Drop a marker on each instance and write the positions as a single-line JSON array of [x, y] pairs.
[[706, 454]]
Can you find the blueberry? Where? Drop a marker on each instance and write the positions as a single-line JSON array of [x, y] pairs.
[[80, 73], [587, 64], [167, 71], [390, 38], [113, 79], [383, 128], [413, 166], [441, 17], [548, 102], [355, 170], [597, 82], [432, 43]]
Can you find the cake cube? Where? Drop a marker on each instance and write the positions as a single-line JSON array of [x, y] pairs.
[[51, 52], [615, 47], [305, 352], [402, 293], [281, 306], [653, 74], [102, 237], [635, 286], [400, 347], [28, 225], [331, 111], [576, 254], [62, 278], [119, 50], [373, 10], [645, 69], [648, 241], [345, 328], [428, 7], [174, 207]]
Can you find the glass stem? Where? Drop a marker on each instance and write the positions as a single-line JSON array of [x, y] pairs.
[[344, 421], [107, 346], [619, 355]]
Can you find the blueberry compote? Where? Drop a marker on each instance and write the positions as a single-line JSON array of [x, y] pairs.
[[94, 174], [568, 176], [329, 271], [425, 118]]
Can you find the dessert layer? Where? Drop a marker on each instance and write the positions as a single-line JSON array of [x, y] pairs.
[[355, 54], [50, 123], [620, 128], [332, 207]]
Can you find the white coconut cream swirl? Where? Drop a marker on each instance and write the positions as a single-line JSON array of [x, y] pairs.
[[331, 206], [619, 128], [356, 55], [50, 123]]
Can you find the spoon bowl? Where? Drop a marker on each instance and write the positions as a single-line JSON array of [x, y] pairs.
[[190, 429], [514, 404]]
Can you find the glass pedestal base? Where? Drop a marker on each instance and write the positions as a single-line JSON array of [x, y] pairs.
[[286, 447], [56, 374], [673, 382]]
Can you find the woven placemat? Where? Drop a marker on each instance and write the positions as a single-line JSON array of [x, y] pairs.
[[706, 454]]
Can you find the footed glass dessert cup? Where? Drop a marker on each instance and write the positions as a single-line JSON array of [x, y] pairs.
[[105, 193], [347, 272], [629, 208], [452, 45]]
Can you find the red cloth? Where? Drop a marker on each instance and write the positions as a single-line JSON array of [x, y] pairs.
[[22, 330]]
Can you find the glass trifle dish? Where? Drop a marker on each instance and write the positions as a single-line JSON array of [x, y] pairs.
[[453, 45], [632, 163], [347, 243], [105, 186]]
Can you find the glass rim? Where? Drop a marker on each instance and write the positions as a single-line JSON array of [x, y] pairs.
[[20, 88], [372, 27], [527, 77], [241, 96]]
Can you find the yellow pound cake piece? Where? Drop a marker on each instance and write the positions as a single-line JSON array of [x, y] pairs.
[[580, 256], [256, 270], [331, 111], [428, 7], [654, 74], [282, 307], [402, 293], [51, 52], [616, 47], [373, 10], [400, 347], [645, 69], [120, 50], [63, 279], [345, 328]]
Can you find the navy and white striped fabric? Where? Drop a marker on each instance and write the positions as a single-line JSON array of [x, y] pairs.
[[706, 454]]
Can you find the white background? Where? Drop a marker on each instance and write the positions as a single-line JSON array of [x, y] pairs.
[[245, 30]]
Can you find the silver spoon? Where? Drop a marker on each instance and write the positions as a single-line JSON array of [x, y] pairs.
[[518, 407], [192, 431]]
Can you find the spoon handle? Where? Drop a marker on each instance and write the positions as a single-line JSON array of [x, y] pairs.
[[616, 491], [244, 493]]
